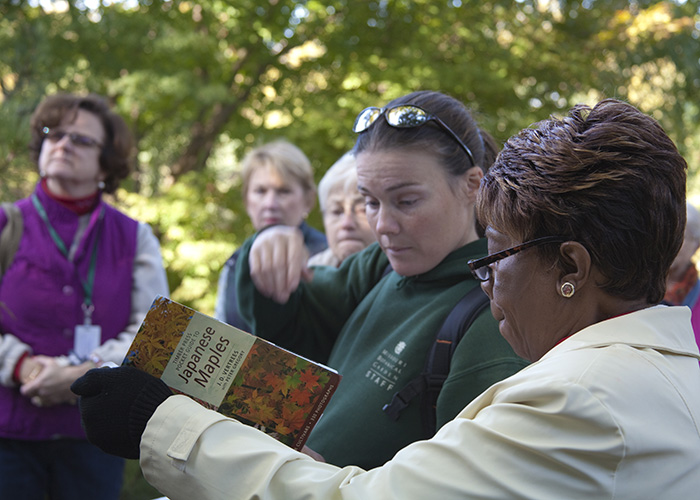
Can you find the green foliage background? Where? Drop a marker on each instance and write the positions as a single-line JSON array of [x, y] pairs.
[[202, 81]]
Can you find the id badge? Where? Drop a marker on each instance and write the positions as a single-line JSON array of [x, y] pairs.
[[87, 339]]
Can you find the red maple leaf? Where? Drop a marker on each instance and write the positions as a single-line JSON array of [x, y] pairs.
[[294, 418], [275, 382], [300, 396], [309, 378]]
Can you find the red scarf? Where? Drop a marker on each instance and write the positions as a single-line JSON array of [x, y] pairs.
[[80, 206]]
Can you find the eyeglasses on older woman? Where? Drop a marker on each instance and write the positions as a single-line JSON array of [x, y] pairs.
[[480, 267]]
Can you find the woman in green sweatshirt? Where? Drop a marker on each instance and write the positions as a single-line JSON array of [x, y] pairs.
[[419, 163]]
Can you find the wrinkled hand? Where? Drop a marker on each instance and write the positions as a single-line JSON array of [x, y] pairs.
[[115, 406], [277, 261]]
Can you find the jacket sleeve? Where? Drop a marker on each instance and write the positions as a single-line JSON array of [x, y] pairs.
[[481, 359], [311, 320], [539, 442], [149, 280], [11, 349]]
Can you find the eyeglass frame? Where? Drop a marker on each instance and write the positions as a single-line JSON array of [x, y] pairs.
[[476, 264], [428, 117], [78, 140]]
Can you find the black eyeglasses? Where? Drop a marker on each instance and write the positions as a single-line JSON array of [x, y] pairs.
[[481, 269], [80, 140], [405, 116]]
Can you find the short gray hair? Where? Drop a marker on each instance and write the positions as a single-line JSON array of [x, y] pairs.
[[341, 175]]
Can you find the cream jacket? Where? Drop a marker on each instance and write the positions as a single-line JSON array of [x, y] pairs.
[[613, 412]]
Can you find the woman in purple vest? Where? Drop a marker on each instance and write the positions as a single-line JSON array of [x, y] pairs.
[[81, 281]]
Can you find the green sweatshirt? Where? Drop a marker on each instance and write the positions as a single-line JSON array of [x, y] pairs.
[[376, 331]]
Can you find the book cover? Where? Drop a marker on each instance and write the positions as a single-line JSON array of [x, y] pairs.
[[233, 372]]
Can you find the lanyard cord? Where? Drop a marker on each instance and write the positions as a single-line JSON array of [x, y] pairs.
[[88, 284]]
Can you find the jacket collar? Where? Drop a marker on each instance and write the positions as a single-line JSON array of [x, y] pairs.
[[661, 328]]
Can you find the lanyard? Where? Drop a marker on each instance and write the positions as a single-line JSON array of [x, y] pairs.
[[88, 284]]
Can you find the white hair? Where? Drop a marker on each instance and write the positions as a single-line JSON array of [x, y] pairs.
[[341, 175]]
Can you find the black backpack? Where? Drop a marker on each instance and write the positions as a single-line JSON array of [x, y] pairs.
[[437, 365]]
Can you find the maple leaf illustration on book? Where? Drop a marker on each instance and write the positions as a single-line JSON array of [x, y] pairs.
[[232, 372]]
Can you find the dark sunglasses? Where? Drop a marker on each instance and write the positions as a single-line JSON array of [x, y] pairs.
[[481, 269], [405, 116], [80, 140]]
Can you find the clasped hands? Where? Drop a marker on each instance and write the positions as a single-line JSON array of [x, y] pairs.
[[46, 382]]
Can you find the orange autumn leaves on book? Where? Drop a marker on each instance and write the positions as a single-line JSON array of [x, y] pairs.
[[275, 390], [158, 336]]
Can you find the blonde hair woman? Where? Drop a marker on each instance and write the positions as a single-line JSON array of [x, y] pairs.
[[278, 189]]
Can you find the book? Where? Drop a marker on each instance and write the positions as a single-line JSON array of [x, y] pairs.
[[233, 372]]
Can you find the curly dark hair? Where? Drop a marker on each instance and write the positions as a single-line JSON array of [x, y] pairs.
[[115, 156], [608, 177]]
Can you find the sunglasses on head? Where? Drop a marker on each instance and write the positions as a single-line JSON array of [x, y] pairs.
[[405, 116], [80, 140]]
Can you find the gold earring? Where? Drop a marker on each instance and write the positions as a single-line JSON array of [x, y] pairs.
[[567, 290]]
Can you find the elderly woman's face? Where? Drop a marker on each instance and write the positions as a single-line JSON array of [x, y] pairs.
[[415, 215], [345, 222], [272, 199], [73, 169], [524, 298]]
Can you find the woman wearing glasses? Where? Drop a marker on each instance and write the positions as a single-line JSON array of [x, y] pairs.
[[609, 408], [80, 282]]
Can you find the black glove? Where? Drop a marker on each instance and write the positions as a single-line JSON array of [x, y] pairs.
[[115, 405]]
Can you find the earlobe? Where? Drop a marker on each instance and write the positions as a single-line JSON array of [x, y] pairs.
[[576, 267]]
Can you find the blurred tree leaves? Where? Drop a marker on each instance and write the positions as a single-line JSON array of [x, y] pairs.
[[202, 81]]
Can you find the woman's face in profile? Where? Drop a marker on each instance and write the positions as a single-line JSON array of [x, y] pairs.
[[272, 199], [524, 298], [419, 214]]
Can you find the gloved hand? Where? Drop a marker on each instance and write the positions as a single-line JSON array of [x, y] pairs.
[[115, 405]]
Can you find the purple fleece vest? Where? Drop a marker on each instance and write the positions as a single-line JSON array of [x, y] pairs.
[[41, 297]]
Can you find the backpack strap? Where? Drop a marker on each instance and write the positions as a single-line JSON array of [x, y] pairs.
[[10, 236], [437, 366]]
